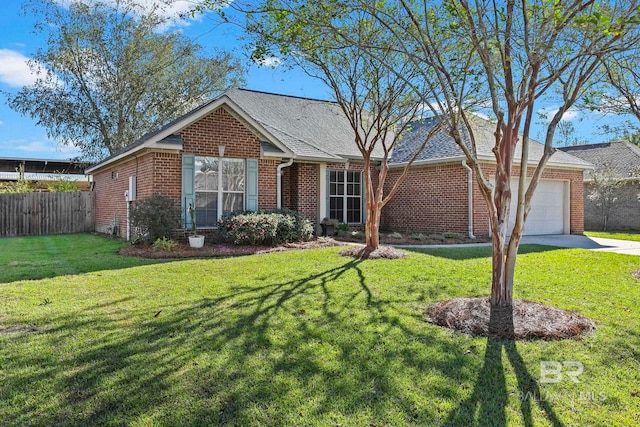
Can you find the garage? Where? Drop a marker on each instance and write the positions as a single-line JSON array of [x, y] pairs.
[[549, 208]]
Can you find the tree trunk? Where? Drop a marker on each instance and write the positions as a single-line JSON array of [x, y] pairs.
[[373, 226]]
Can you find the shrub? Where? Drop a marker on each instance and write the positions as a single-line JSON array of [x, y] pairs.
[[342, 227], [163, 244], [154, 218], [357, 235], [418, 236], [394, 235], [452, 235], [264, 227]]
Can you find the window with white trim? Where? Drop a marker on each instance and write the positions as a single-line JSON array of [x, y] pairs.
[[345, 196], [219, 188]]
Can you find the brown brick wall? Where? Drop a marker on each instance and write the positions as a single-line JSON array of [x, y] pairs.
[[301, 185], [161, 171], [624, 214], [111, 206], [434, 199], [430, 199]]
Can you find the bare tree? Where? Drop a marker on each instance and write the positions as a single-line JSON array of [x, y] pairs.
[[376, 89], [511, 54], [604, 190]]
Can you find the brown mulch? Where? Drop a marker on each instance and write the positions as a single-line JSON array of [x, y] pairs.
[[383, 252], [221, 250], [530, 320], [406, 240]]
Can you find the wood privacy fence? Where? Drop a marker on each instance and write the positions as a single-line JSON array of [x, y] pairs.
[[33, 214]]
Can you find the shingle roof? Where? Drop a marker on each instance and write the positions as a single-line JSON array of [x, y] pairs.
[[308, 127], [319, 130], [443, 146], [622, 157]]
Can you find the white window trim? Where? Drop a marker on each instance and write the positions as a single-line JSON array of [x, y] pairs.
[[345, 196], [220, 192]]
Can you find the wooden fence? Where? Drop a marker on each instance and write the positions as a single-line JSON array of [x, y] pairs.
[[33, 214]]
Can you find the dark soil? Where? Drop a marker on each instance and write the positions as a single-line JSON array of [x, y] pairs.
[[383, 252], [221, 250], [530, 320]]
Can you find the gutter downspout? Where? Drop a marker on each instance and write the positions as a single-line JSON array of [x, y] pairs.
[[470, 196], [279, 182]]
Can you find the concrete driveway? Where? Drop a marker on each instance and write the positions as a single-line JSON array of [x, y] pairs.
[[585, 242]]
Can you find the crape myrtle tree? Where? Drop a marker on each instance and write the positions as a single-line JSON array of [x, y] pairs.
[[376, 90], [505, 56], [523, 52], [109, 74]]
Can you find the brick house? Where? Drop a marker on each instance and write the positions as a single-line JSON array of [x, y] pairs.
[[255, 150], [617, 160]]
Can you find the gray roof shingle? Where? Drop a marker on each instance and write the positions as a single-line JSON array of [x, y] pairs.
[[443, 146], [622, 157], [319, 130], [310, 128]]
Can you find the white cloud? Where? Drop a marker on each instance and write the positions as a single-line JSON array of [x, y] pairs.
[[176, 12], [271, 61], [1, 122], [548, 112], [43, 148], [14, 69]]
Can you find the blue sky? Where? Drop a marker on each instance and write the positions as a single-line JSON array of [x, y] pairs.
[[21, 137]]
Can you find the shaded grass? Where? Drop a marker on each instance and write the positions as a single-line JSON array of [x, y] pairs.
[[40, 257], [312, 338], [633, 236]]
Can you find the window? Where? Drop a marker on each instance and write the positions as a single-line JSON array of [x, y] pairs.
[[219, 187], [345, 196]]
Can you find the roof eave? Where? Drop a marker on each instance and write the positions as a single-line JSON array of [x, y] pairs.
[[427, 162], [552, 164]]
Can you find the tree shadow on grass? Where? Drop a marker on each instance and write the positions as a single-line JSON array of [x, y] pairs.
[[324, 347], [273, 354], [486, 406]]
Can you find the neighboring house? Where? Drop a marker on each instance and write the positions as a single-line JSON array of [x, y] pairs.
[[44, 172], [615, 160], [255, 150]]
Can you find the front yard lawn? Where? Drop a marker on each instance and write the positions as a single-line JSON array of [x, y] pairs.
[[304, 338], [634, 236]]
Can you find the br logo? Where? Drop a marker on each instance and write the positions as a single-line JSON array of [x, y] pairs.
[[552, 371]]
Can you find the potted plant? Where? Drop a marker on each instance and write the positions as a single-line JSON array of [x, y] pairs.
[[328, 226], [195, 240]]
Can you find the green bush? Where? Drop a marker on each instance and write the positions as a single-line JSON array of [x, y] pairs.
[[394, 235], [155, 217], [164, 245], [452, 235], [264, 227], [418, 236]]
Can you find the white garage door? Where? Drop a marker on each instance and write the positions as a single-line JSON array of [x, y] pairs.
[[549, 208]]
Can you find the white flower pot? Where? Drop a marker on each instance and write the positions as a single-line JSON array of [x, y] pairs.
[[196, 241]]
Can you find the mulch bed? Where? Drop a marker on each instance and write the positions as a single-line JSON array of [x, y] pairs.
[[221, 250], [407, 240], [530, 320], [383, 252]]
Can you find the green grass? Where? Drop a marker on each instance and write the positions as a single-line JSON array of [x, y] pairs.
[[634, 236], [304, 338]]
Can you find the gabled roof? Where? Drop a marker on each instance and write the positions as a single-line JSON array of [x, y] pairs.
[[442, 146], [317, 130], [623, 158], [290, 126]]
